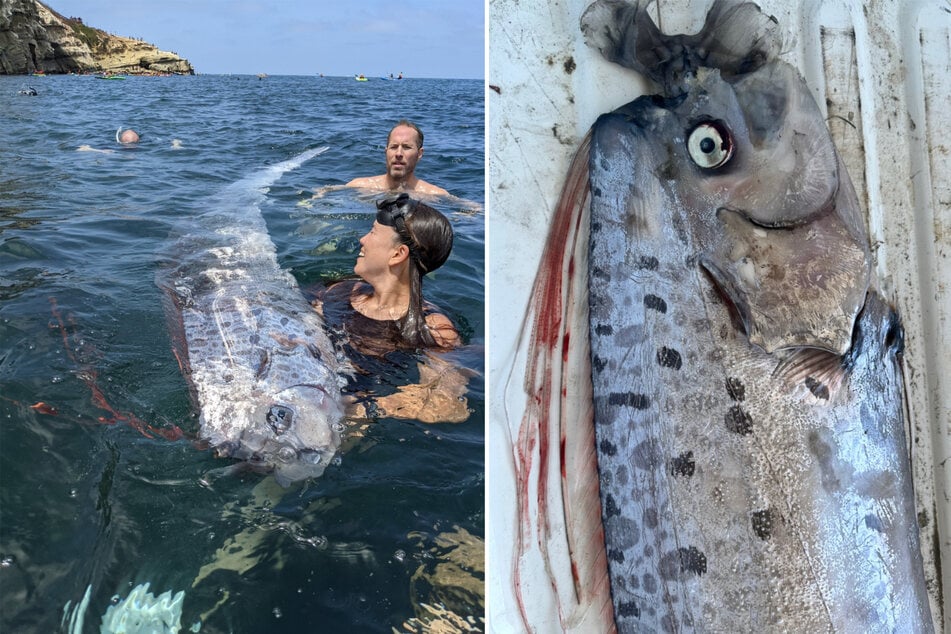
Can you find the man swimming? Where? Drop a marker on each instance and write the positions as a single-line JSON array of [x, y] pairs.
[[404, 148]]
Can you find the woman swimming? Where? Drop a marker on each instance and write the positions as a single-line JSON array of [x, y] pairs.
[[382, 314]]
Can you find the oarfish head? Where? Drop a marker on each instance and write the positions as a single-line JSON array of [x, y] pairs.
[[294, 433], [740, 148]]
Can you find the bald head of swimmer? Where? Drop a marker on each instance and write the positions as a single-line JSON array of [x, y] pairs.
[[128, 136]]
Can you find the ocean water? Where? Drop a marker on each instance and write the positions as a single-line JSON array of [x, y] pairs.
[[92, 493]]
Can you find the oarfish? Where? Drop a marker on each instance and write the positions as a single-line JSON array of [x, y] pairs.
[[712, 367], [266, 377]]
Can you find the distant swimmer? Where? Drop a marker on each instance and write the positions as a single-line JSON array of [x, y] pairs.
[[404, 148], [176, 144], [29, 92], [126, 137]]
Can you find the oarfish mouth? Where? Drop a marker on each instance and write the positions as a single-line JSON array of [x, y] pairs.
[[312, 386]]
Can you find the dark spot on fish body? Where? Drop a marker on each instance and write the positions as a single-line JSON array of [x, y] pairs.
[[616, 556], [650, 583], [629, 399], [676, 563], [738, 421], [683, 465], [655, 303], [762, 522], [622, 476], [818, 389], [570, 65], [628, 609], [650, 520], [604, 329], [598, 363], [596, 192], [621, 532], [610, 507], [647, 263], [601, 274], [736, 389], [669, 624], [669, 358], [645, 455], [607, 448]]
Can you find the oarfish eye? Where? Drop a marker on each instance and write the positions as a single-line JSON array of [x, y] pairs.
[[280, 418], [710, 145]]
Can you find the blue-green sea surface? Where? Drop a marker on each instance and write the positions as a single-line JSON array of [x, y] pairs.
[[95, 490]]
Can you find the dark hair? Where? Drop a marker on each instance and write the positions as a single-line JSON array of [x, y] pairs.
[[428, 236], [408, 124]]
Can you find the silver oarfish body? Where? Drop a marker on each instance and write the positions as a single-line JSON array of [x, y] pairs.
[[712, 361], [265, 375]]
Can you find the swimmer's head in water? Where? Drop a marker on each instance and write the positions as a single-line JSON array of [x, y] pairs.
[[423, 229], [127, 136]]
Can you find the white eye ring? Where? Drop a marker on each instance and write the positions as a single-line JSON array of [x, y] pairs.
[[710, 145]]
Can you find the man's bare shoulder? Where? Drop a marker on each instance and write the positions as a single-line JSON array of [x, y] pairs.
[[379, 183], [428, 188], [368, 182]]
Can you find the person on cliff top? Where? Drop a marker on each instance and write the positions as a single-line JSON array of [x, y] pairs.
[[404, 148]]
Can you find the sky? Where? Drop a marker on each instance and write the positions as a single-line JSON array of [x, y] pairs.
[[419, 38]]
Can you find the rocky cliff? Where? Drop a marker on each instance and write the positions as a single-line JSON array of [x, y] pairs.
[[34, 38]]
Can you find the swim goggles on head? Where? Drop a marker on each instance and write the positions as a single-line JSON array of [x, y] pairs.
[[392, 212], [393, 209]]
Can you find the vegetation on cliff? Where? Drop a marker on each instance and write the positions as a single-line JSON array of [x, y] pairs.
[[87, 34]]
